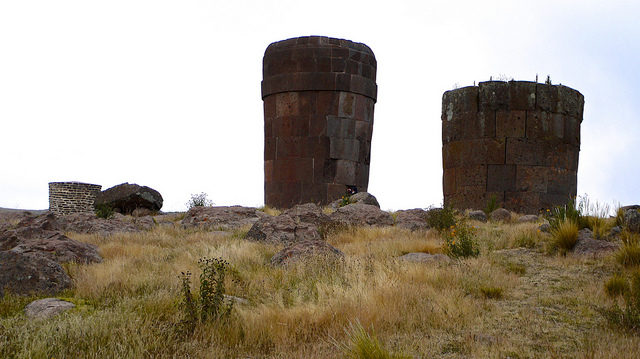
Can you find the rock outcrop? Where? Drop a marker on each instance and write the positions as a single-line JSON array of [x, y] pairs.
[[47, 308], [412, 219], [221, 218], [358, 214], [25, 274], [304, 250], [125, 198]]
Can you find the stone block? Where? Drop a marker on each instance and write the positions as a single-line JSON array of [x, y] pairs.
[[531, 178], [501, 178], [561, 182], [471, 176], [524, 152], [510, 124], [449, 181], [547, 98], [363, 131], [571, 130], [344, 149], [364, 153], [287, 104], [460, 101], [522, 95], [523, 202], [327, 102], [347, 104], [316, 147], [270, 148], [286, 126], [362, 177], [493, 95], [570, 102], [341, 127], [346, 172], [335, 191], [289, 147]]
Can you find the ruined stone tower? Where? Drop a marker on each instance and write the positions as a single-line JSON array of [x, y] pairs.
[[516, 141], [72, 197], [319, 94]]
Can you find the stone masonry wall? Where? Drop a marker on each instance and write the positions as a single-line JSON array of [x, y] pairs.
[[319, 95], [72, 197], [515, 141]]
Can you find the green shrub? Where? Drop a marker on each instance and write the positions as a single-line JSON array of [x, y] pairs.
[[460, 241], [564, 236], [364, 345], [209, 304], [441, 218], [571, 211], [104, 211], [619, 217], [199, 200], [492, 205], [616, 286]]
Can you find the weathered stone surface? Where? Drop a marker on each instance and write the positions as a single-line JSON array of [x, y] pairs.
[[587, 245], [626, 208], [317, 250], [224, 218], [412, 219], [500, 215], [478, 216], [25, 274], [126, 197], [362, 215], [319, 95], [516, 141], [420, 257], [632, 220], [528, 218], [364, 198], [545, 227], [59, 248], [282, 229], [47, 308]]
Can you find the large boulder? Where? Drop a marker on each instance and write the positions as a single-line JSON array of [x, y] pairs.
[[221, 218], [587, 245], [308, 213], [478, 215], [59, 248], [500, 215], [360, 197], [305, 250], [25, 274], [125, 198], [47, 308], [412, 219], [282, 229], [632, 220], [358, 214]]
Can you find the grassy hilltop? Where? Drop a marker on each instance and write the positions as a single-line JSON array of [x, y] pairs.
[[520, 297]]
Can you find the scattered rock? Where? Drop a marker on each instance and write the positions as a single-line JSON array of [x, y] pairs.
[[47, 308], [500, 215], [358, 214], [615, 231], [141, 212], [223, 217], [412, 219], [364, 198], [528, 218], [305, 250], [126, 197], [587, 245], [89, 223], [420, 257], [235, 299], [545, 227], [632, 220], [478, 216], [308, 213], [626, 208], [25, 274], [283, 229]]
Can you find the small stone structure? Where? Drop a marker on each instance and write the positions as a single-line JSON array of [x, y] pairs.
[[319, 95], [516, 141], [72, 197]]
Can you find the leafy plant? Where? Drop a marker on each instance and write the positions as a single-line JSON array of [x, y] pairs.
[[104, 211], [460, 241], [209, 304], [441, 218], [345, 200], [199, 200], [364, 345]]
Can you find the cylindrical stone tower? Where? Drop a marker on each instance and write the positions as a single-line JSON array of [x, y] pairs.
[[72, 197], [319, 95], [516, 141]]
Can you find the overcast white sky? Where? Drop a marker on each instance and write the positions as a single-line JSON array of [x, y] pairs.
[[167, 93]]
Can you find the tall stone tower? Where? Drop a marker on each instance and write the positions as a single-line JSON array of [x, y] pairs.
[[516, 141], [319, 95]]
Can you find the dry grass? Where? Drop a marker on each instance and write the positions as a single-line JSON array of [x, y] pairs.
[[509, 301]]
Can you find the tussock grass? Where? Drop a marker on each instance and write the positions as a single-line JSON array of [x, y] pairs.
[[565, 236], [128, 305]]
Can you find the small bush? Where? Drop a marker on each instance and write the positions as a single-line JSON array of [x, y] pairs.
[[441, 218], [491, 292], [104, 211], [199, 200], [460, 242], [629, 254], [570, 211], [564, 236], [619, 217], [209, 304], [616, 286], [364, 345], [628, 315]]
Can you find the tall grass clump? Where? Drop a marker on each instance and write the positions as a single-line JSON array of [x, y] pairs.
[[629, 253], [363, 345], [572, 211], [564, 236], [627, 313]]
